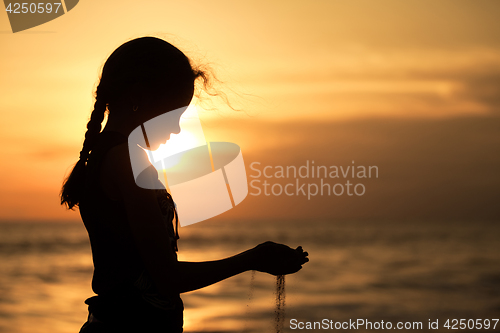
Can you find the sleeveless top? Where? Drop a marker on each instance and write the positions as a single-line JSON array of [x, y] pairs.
[[121, 281]]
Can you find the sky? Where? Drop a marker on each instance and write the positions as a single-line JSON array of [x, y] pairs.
[[409, 86]]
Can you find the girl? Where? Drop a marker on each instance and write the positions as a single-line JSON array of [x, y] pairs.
[[137, 277]]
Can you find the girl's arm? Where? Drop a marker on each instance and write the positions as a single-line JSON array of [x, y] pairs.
[[169, 275], [267, 257]]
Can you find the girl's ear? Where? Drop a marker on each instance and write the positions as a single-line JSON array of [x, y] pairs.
[[135, 100], [136, 96]]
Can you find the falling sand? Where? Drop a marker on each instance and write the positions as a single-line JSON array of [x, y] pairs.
[[250, 296], [279, 313]]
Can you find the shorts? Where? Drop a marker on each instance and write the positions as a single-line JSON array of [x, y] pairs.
[[131, 314]]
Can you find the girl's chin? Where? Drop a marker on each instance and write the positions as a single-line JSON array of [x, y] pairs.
[[158, 145]]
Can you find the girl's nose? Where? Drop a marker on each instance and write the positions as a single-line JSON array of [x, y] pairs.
[[177, 129]]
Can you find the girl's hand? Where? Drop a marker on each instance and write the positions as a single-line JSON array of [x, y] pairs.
[[278, 259]]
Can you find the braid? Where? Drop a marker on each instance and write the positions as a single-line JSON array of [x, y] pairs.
[[93, 128], [73, 186]]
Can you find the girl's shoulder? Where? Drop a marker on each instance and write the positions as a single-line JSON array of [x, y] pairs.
[[115, 163], [117, 175]]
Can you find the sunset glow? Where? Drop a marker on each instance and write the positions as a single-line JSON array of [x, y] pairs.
[[190, 136], [344, 62], [365, 133]]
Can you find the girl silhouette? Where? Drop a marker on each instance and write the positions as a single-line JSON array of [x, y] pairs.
[[137, 277]]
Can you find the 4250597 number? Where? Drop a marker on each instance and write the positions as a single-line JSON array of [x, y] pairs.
[[462, 324], [33, 8]]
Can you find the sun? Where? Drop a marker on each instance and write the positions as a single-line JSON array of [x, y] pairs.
[[190, 136]]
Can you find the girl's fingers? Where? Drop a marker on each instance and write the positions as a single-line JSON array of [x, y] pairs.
[[302, 255]]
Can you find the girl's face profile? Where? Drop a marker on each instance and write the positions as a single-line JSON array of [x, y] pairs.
[[159, 128]]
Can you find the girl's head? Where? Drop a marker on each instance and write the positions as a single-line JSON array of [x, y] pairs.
[[146, 73], [141, 79]]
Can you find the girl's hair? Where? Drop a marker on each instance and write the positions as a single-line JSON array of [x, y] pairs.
[[148, 67]]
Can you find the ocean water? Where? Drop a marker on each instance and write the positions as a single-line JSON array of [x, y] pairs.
[[394, 271]]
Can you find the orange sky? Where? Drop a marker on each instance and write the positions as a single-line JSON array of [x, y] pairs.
[[293, 64]]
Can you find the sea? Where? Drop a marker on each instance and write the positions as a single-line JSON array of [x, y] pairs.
[[430, 272]]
